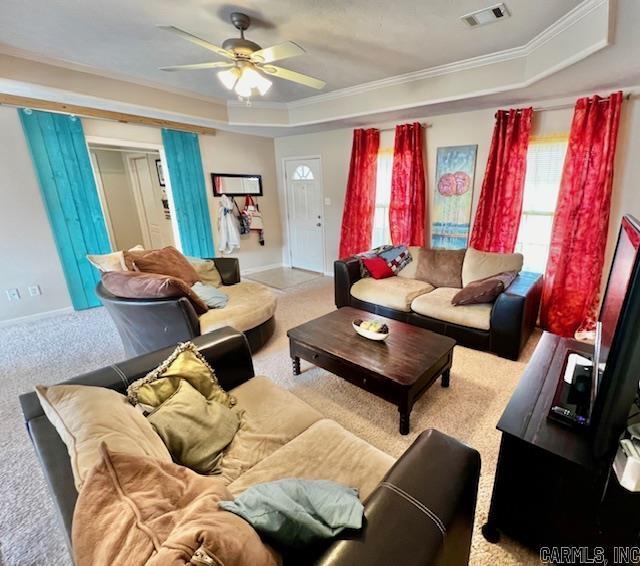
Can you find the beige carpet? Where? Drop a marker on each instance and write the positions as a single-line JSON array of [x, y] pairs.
[[54, 349]]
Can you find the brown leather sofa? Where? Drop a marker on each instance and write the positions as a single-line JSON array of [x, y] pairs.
[[510, 322], [145, 325], [421, 513]]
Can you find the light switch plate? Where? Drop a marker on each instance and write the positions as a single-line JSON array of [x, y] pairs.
[[327, 201]]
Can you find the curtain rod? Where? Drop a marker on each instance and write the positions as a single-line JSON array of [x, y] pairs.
[[425, 125], [567, 105]]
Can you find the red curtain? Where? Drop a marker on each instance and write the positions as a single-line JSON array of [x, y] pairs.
[[497, 220], [576, 256], [407, 210], [359, 204]]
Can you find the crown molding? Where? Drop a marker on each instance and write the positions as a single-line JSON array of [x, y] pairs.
[[259, 104], [563, 24]]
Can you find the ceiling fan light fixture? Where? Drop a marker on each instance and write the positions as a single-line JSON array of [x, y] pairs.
[[230, 77], [251, 80]]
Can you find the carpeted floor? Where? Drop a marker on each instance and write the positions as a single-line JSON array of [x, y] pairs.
[[51, 350]]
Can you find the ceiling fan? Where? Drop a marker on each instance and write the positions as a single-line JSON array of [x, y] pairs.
[[249, 63]]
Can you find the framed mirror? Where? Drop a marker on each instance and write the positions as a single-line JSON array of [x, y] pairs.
[[236, 185]]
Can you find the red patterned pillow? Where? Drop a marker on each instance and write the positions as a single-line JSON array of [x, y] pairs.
[[378, 267]]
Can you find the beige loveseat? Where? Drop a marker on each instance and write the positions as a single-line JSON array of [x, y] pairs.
[[501, 327]]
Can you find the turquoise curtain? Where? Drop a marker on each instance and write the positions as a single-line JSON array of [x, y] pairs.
[[63, 167], [188, 188]]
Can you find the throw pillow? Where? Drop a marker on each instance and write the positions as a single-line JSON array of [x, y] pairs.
[[131, 255], [296, 512], [185, 362], [484, 290], [375, 252], [409, 270], [195, 430], [441, 268], [377, 267], [114, 261], [86, 416], [136, 510], [210, 295], [479, 265], [168, 261], [207, 271], [138, 285], [108, 262]]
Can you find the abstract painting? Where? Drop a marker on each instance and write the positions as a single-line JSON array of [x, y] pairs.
[[451, 214]]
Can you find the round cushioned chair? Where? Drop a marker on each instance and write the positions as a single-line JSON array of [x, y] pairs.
[[146, 325]]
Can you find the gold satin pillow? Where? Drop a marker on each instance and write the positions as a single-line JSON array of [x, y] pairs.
[[185, 363], [194, 430]]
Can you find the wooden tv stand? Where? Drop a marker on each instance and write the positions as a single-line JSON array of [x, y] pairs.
[[548, 488]]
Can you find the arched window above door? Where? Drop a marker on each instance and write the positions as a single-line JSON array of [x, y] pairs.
[[303, 173]]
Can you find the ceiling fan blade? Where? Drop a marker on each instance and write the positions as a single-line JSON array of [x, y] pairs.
[[198, 41], [293, 76], [277, 52], [198, 66]]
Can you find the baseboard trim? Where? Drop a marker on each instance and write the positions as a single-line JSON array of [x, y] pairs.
[[251, 270], [36, 316]]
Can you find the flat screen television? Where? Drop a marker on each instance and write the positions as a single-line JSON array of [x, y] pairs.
[[620, 342]]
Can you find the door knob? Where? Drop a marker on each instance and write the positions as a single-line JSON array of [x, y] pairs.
[[318, 224]]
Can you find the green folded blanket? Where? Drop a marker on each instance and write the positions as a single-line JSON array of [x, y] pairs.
[[297, 512]]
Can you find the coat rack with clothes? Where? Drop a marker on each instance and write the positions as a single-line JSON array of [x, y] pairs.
[[234, 222]]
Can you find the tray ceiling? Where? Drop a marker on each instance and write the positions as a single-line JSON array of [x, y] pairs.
[[347, 43]]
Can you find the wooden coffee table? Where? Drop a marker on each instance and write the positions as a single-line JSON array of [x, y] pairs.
[[400, 369]]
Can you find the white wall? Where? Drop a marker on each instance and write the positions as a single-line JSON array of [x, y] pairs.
[[28, 255], [236, 153], [120, 202], [462, 128]]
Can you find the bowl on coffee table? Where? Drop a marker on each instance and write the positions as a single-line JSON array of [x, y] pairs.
[[371, 329]]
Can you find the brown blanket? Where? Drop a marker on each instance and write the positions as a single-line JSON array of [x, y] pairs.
[[135, 510]]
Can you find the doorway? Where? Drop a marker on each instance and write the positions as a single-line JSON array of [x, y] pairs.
[[304, 195], [134, 196]]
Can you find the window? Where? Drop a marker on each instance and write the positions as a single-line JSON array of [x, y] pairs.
[[381, 234], [302, 173], [545, 158]]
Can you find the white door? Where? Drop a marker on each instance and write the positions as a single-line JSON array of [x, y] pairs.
[[306, 218], [156, 228]]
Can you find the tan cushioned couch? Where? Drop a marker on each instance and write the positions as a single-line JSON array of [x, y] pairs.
[[501, 327], [148, 324]]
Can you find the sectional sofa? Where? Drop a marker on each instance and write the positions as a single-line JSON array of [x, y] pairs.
[[419, 509]]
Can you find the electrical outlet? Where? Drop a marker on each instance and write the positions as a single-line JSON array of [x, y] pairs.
[[34, 290], [13, 294]]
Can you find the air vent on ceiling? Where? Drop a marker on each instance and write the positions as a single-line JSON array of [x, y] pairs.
[[486, 16]]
